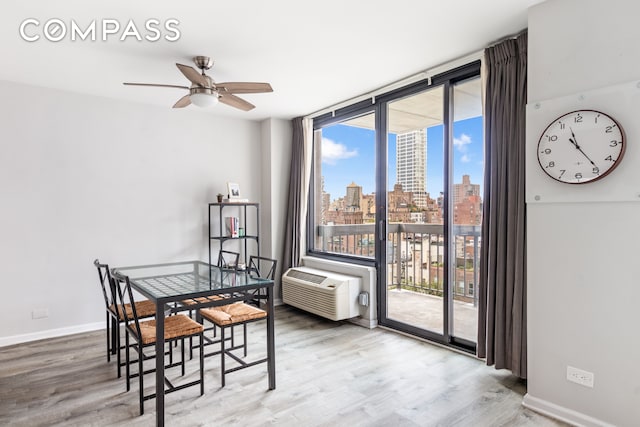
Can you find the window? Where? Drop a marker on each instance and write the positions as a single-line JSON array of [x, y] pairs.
[[344, 187]]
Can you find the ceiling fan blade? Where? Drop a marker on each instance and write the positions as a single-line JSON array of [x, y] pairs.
[[193, 75], [155, 85], [182, 102], [234, 101], [244, 87]]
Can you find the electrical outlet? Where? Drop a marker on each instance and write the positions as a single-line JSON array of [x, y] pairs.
[[40, 313], [579, 376]]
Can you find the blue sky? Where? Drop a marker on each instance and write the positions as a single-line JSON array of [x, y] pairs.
[[349, 156]]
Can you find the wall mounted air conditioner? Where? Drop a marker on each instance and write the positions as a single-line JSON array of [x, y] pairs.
[[327, 294]]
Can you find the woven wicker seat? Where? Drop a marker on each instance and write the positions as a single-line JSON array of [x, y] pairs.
[[232, 314], [201, 300], [174, 327], [145, 309]]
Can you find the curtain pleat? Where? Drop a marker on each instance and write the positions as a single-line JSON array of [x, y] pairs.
[[293, 228], [502, 329]]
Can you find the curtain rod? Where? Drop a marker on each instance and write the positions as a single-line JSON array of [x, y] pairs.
[[511, 37], [426, 74]]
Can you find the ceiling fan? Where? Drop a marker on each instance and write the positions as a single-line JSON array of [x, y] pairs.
[[205, 92]]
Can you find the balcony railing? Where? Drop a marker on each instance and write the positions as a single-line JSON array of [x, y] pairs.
[[415, 254]]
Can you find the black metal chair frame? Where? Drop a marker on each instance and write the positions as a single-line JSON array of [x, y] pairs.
[[133, 330], [224, 263], [254, 267], [228, 351], [114, 345], [109, 302], [114, 321]]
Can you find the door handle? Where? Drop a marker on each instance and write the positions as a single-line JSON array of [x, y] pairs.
[[381, 230]]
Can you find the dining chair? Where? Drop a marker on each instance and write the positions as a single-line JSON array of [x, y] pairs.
[[262, 267], [226, 317], [176, 328], [114, 314], [239, 313], [228, 259]]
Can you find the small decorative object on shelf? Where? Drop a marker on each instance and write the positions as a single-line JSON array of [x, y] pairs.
[[234, 190], [220, 196]]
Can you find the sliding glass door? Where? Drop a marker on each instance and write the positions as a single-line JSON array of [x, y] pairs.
[[397, 184], [433, 217], [415, 234]]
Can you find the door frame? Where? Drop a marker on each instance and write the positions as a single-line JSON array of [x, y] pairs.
[[447, 81]]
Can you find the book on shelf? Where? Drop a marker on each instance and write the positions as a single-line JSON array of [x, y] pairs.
[[232, 226]]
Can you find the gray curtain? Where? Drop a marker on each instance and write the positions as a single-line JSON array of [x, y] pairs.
[[502, 311], [291, 252]]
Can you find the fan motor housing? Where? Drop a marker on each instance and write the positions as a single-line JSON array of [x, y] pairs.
[[204, 90], [203, 62]]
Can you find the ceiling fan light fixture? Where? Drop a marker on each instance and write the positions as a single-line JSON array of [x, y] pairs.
[[205, 92], [204, 100]]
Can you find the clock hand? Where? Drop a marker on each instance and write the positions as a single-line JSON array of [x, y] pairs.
[[574, 141], [571, 140]]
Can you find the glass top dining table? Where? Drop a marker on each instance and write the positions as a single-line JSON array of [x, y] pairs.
[[173, 282]]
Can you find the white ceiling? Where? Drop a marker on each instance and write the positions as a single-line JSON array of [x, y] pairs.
[[314, 54]]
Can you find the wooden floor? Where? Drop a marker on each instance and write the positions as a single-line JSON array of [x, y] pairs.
[[328, 374]]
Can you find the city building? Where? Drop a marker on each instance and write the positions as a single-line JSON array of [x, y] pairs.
[[466, 188], [353, 199], [411, 164]]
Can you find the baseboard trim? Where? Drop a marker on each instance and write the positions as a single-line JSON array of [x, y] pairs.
[[366, 323], [54, 333], [561, 413], [50, 333]]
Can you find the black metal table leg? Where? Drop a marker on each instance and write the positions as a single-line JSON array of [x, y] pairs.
[[271, 347], [159, 364]]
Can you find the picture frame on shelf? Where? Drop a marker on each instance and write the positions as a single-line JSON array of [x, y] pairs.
[[234, 190]]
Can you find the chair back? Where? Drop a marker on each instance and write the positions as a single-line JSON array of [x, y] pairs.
[[228, 259], [106, 284], [262, 267], [125, 299]]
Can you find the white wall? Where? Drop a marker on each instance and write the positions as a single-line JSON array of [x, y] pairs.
[[84, 177], [583, 287], [277, 136]]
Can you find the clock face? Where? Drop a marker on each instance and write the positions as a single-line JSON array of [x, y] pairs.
[[581, 146]]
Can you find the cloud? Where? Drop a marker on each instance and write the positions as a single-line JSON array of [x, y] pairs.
[[333, 151], [462, 142], [461, 145]]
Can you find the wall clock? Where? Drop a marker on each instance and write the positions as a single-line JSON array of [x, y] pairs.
[[581, 146]]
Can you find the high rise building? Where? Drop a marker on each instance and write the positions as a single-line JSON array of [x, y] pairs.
[[466, 189], [353, 199], [411, 164]]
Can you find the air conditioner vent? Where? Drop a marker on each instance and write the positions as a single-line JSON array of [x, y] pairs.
[[325, 293], [307, 277]]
